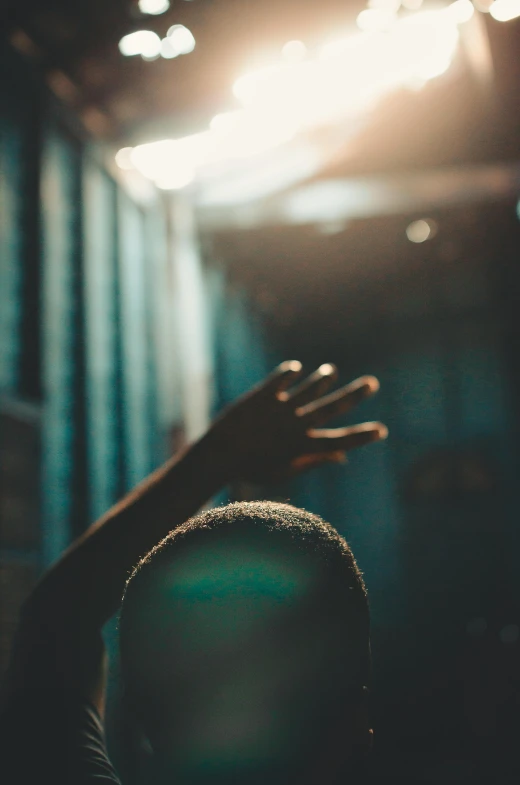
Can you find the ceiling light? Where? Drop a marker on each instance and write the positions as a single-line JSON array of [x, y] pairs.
[[123, 159], [168, 50], [375, 19], [176, 180], [505, 10], [344, 81], [461, 11], [153, 7], [181, 39], [391, 6], [142, 42], [420, 231]]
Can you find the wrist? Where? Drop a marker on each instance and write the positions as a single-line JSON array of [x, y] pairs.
[[214, 461]]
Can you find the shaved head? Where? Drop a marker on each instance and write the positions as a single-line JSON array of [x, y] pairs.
[[245, 646]]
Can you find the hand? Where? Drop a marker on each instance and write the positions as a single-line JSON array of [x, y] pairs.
[[274, 432]]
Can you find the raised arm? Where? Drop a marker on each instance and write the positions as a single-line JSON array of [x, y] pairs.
[[271, 433]]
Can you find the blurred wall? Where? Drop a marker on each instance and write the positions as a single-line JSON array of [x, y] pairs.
[[89, 373]]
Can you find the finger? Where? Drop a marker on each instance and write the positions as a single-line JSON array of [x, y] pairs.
[[340, 401], [316, 385], [304, 462], [281, 378], [333, 439]]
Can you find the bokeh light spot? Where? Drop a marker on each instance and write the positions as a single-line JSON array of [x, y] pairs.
[[420, 231], [123, 159], [181, 39], [505, 10], [168, 49], [143, 42], [153, 7]]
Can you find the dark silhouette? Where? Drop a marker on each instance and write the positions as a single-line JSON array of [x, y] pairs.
[[244, 633], [245, 647]]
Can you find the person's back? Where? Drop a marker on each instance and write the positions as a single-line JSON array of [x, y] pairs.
[[245, 649]]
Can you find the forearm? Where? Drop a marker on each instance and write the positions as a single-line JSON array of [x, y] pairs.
[[88, 582], [59, 640]]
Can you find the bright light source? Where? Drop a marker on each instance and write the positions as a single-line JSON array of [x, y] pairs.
[[255, 134], [168, 50], [505, 10], [143, 42], [242, 134], [225, 122], [340, 85], [171, 163], [247, 87], [420, 231], [424, 45], [181, 39], [294, 51], [123, 158], [461, 11], [391, 6], [375, 19], [153, 7], [176, 181], [352, 74]]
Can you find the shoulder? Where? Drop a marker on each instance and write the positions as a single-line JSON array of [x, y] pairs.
[[53, 737]]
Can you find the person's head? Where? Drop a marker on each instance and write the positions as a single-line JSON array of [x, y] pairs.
[[245, 648]]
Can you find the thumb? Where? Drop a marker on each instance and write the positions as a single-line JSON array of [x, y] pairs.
[[305, 462]]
